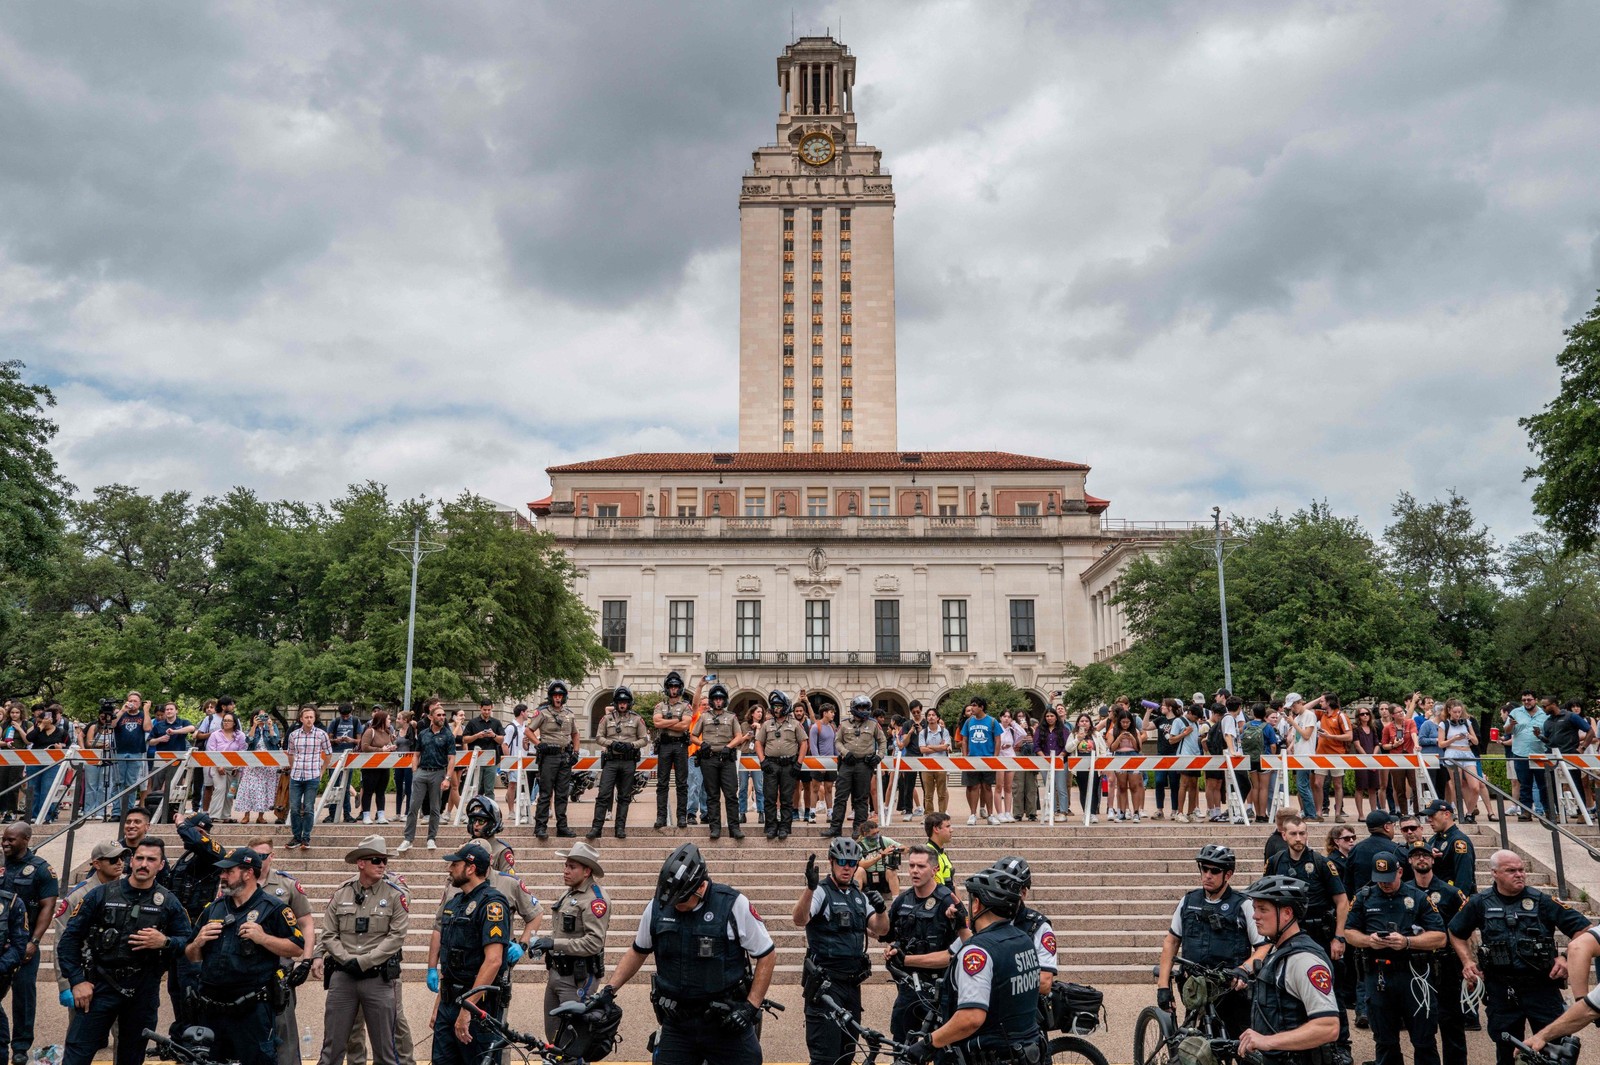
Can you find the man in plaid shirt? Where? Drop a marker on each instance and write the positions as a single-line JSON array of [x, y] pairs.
[[308, 745]]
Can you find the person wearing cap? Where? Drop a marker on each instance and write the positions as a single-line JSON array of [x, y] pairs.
[[1448, 899], [119, 941], [474, 930], [288, 892], [240, 944], [1454, 857], [106, 863], [556, 728], [1399, 928], [581, 917], [622, 736], [197, 872], [358, 954], [31, 879], [1357, 875], [1300, 730]]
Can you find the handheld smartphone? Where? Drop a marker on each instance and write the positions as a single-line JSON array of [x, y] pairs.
[[711, 678]]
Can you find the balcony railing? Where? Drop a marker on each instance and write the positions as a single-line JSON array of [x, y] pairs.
[[820, 659]]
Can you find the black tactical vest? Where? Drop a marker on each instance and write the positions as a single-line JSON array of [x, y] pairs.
[[838, 932], [1516, 939], [1012, 1019], [123, 912], [231, 964], [919, 926], [696, 958], [1273, 1008], [1215, 934]]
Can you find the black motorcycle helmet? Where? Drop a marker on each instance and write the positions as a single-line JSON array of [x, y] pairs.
[[1017, 867], [861, 707], [674, 680], [778, 703], [718, 692], [682, 872], [998, 890], [554, 687], [586, 1032], [483, 817], [623, 695]]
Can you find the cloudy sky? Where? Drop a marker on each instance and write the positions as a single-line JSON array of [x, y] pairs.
[[1239, 253]]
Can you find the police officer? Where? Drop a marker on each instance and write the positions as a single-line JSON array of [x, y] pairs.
[[1399, 928], [106, 864], [474, 930], [1031, 921], [576, 957], [1379, 842], [557, 749], [837, 917], [927, 924], [718, 733], [860, 742], [240, 944], [780, 744], [358, 954], [30, 878], [622, 736], [119, 940], [1327, 902], [288, 892], [196, 875], [484, 824], [1448, 899], [1517, 961], [1213, 925], [1455, 860], [13, 946], [991, 996], [673, 718], [714, 962], [1294, 1017]]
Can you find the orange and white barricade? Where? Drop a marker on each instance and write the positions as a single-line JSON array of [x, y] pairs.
[[1560, 767], [44, 760], [1287, 764], [340, 766]]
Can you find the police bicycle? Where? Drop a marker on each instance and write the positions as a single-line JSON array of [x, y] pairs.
[[195, 1048], [1068, 1049], [1160, 1040], [1563, 1051], [579, 1038]]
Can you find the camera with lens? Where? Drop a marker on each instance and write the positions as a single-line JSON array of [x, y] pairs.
[[108, 707]]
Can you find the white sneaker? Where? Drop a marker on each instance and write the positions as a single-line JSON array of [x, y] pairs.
[[972, 819], [994, 819], [1136, 817], [366, 819], [1093, 819], [432, 846], [405, 845], [916, 811], [383, 819], [1009, 817]]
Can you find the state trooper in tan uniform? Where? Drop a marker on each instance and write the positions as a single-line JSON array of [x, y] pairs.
[[622, 736], [576, 956], [288, 892], [672, 718], [557, 749], [780, 744], [718, 732], [860, 743], [106, 864], [358, 955]]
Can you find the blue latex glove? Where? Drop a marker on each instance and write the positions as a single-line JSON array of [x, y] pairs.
[[66, 998], [513, 953], [433, 980]]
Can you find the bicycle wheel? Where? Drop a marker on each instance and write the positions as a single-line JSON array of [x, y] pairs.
[[1151, 1034], [1075, 1050]]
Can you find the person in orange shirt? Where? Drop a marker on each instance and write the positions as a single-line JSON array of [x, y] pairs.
[[1333, 737], [697, 783]]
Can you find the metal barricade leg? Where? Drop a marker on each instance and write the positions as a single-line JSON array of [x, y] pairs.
[[1094, 782], [1050, 791], [172, 794], [333, 791], [1236, 812]]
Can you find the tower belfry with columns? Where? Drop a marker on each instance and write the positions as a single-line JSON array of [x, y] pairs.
[[816, 270]]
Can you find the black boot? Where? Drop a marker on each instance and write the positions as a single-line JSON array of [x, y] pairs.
[[735, 831], [716, 831], [594, 831]]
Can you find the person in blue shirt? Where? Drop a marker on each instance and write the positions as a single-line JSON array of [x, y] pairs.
[[977, 740], [1526, 725], [1184, 732], [128, 746], [344, 734], [168, 732]]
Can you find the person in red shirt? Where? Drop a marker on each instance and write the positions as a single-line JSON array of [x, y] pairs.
[[1333, 737]]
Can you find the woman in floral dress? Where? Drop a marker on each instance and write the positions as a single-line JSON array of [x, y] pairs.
[[258, 785]]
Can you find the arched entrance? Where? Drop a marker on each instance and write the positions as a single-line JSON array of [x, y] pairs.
[[819, 699], [892, 703], [597, 709], [741, 702], [1037, 704]]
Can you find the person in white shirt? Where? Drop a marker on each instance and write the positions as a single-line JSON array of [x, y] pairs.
[[516, 746], [1302, 740]]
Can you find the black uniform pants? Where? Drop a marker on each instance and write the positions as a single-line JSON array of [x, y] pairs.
[[1514, 1004], [826, 1042], [719, 776], [182, 974], [245, 1034], [555, 780], [1452, 1022], [1397, 1002], [777, 784], [616, 777], [672, 758], [1323, 934], [854, 784], [908, 1013], [88, 1032], [447, 1049], [694, 1044]]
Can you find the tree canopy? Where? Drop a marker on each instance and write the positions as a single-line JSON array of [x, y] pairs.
[[31, 491], [1566, 438]]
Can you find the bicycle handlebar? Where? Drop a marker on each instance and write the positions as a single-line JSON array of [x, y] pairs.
[[181, 1053], [1563, 1051], [498, 1027]]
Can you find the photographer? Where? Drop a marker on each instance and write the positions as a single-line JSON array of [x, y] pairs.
[[880, 861]]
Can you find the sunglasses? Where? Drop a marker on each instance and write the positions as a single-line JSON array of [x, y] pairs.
[[845, 865], [378, 859], [1213, 870], [1347, 839]]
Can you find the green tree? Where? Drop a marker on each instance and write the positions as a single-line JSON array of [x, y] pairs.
[[1548, 633], [1001, 694], [31, 491], [1098, 682], [1566, 438]]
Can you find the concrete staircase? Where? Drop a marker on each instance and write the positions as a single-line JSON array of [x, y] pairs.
[[1109, 889]]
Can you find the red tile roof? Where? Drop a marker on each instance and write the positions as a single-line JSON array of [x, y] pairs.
[[815, 462]]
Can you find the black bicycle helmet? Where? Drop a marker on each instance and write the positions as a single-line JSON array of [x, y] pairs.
[[844, 849], [1218, 855], [580, 781], [778, 703], [1017, 867], [553, 687], [1280, 891], [623, 694], [483, 817], [998, 890], [673, 679], [718, 692], [586, 1032], [682, 872]]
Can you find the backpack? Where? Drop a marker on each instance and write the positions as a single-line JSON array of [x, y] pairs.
[[1252, 742], [1216, 741]]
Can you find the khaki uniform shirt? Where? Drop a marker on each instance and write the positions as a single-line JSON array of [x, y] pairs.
[[502, 858], [780, 739], [581, 917], [287, 890], [860, 738], [515, 891], [682, 710], [623, 728], [364, 925], [716, 730], [556, 728]]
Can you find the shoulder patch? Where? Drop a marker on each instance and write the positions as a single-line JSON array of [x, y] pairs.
[[974, 961], [598, 907], [1461, 846], [76, 906], [1050, 942], [756, 915], [1333, 870], [61, 907], [511, 858], [1321, 978], [288, 915], [495, 912]]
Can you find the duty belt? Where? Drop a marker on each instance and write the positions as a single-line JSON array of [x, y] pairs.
[[258, 995], [715, 756], [544, 749], [567, 964], [782, 759]]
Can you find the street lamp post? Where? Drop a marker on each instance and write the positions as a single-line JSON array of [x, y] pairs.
[[1219, 546], [416, 547]]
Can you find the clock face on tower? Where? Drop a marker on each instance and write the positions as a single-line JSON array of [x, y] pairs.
[[817, 149]]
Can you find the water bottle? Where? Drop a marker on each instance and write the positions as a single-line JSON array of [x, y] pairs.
[[307, 1052]]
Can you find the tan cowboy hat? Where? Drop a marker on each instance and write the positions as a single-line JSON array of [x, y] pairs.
[[371, 847], [583, 853]]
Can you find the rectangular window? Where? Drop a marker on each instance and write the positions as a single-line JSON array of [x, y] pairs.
[[1028, 510], [605, 510], [680, 626], [817, 503], [1022, 638], [614, 625], [949, 502], [886, 629], [755, 504], [878, 502], [818, 630], [955, 625], [747, 629], [687, 512]]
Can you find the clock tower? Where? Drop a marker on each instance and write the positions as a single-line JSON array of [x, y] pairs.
[[816, 270]]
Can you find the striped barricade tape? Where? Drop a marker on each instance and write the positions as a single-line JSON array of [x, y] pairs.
[[37, 758], [1574, 761], [229, 759], [1408, 762]]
